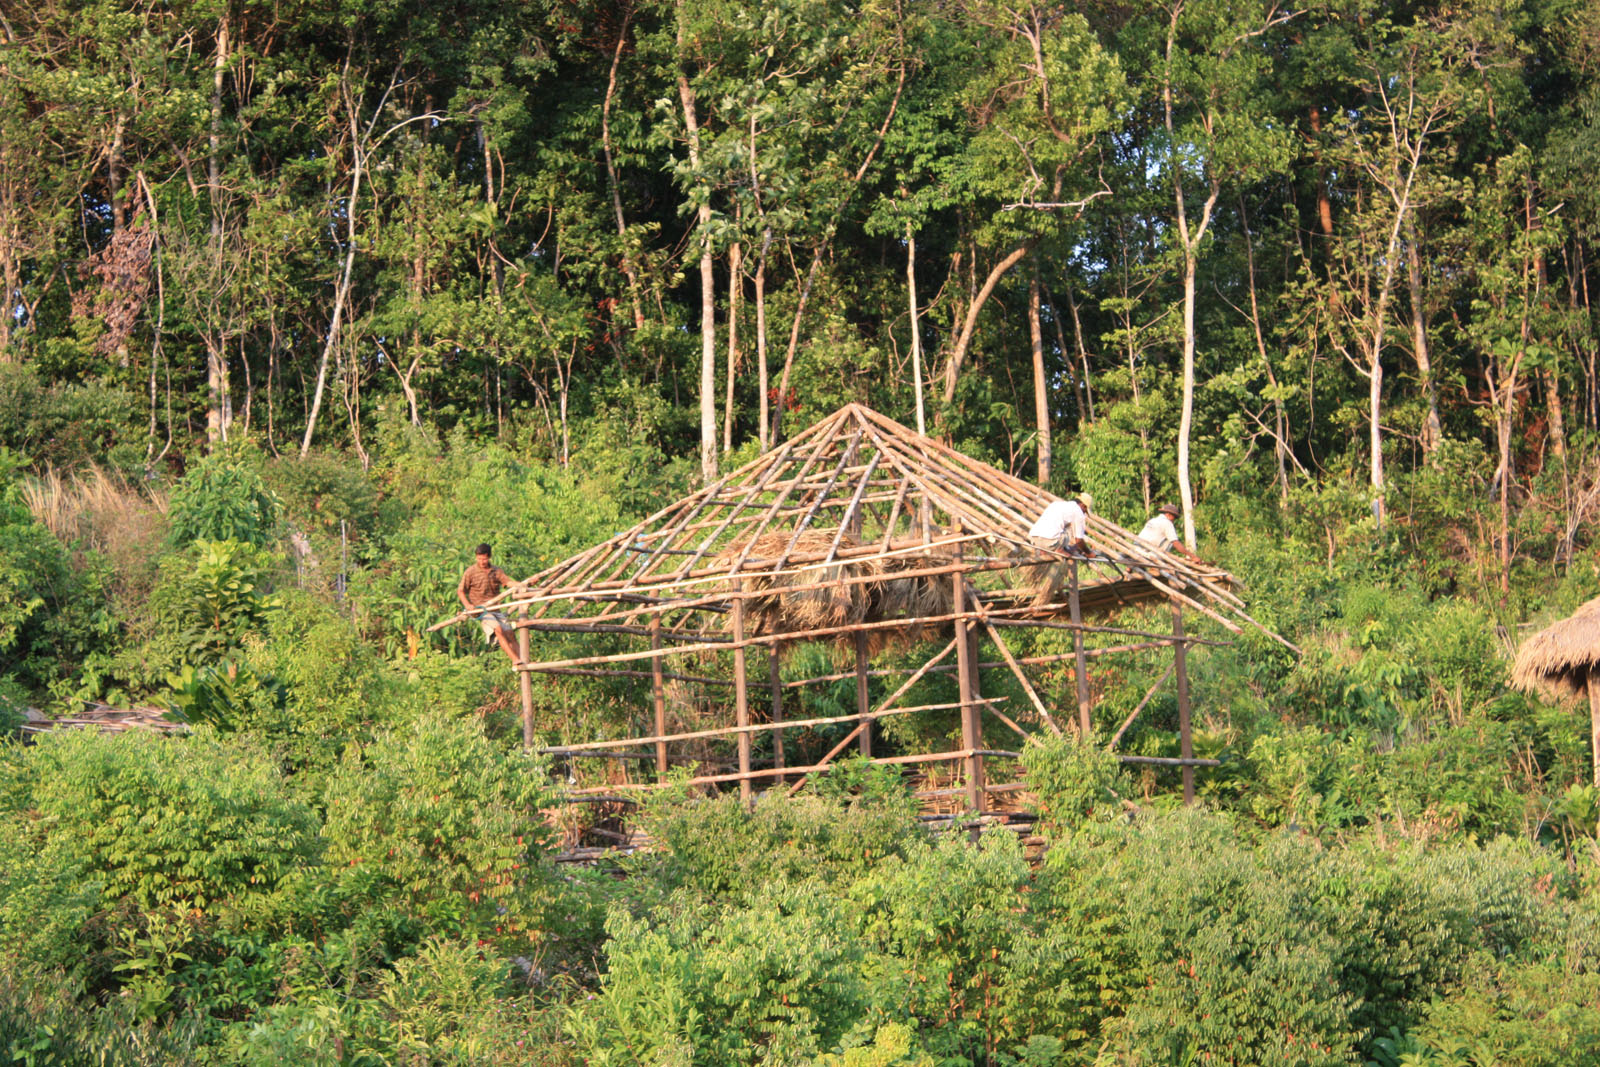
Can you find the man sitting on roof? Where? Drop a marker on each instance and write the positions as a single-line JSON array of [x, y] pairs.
[[1160, 533], [1062, 528], [1064, 525], [481, 582]]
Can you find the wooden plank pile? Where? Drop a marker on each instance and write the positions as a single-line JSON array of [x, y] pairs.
[[105, 719]]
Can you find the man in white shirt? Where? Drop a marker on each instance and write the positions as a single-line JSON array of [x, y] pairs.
[[1062, 528], [1160, 533], [1064, 525]]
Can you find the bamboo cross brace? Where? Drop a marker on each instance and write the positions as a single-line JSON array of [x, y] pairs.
[[743, 502], [894, 512], [1134, 714], [809, 561], [975, 477], [845, 460], [776, 772], [734, 731], [989, 703], [867, 720], [973, 508], [877, 492], [718, 600], [1016, 669], [676, 531], [931, 493], [811, 457]]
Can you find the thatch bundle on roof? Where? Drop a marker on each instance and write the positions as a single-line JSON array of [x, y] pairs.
[[803, 600], [1560, 658]]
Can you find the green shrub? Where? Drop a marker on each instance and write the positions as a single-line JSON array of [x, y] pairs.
[[715, 847], [51, 612], [960, 947], [222, 498], [122, 854], [68, 425], [43, 1023], [780, 980], [1071, 779], [336, 689], [449, 824]]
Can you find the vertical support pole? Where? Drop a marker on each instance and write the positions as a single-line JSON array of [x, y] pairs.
[[968, 681], [863, 704], [1080, 661], [658, 697], [525, 684], [1592, 683], [741, 702], [1180, 663], [776, 681]]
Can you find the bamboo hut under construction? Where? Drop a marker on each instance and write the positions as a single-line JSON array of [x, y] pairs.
[[864, 534], [1563, 660]]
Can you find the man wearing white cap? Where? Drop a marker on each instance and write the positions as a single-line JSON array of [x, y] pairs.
[[1064, 525], [1062, 528]]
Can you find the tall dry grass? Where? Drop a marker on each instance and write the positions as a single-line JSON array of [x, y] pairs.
[[102, 511]]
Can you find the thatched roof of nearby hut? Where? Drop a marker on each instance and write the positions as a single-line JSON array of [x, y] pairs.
[[1558, 659]]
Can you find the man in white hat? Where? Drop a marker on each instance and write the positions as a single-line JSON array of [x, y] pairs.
[[1160, 532], [1062, 528], [1064, 525]]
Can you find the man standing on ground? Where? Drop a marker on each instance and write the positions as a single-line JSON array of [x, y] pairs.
[[1160, 533], [481, 583]]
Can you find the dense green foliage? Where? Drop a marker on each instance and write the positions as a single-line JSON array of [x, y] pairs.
[[300, 302]]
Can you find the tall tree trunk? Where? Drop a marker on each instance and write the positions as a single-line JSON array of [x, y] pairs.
[[1190, 244], [218, 394], [1041, 387], [342, 290], [958, 353], [761, 340], [628, 269], [708, 298], [1432, 433], [735, 291], [916, 327]]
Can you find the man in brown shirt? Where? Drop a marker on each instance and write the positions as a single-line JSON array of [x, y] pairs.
[[481, 583]]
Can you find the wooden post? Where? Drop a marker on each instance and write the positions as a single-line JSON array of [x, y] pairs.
[[863, 704], [969, 697], [525, 684], [741, 702], [658, 697], [776, 682], [1594, 723], [1180, 663], [1081, 662]]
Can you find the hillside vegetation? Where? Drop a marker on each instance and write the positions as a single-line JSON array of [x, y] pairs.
[[303, 301]]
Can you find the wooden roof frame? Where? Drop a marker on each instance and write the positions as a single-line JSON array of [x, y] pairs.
[[682, 581]]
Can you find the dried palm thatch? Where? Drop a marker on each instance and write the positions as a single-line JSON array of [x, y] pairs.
[[1564, 659], [819, 598], [1559, 658]]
